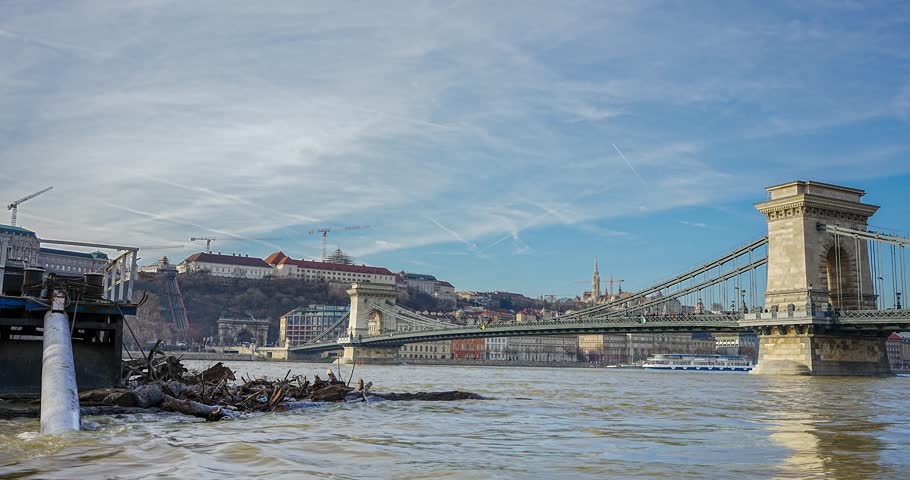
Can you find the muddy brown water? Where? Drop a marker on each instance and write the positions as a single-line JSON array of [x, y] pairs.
[[541, 423]]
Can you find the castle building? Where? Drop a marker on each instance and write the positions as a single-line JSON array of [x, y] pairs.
[[230, 266], [286, 267]]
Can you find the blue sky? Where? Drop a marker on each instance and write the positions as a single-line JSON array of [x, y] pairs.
[[484, 140]]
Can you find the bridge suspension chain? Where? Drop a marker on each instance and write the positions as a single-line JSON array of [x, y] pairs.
[[694, 288], [408, 317], [887, 269], [703, 269], [331, 330]]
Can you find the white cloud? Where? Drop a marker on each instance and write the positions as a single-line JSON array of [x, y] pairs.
[[264, 121]]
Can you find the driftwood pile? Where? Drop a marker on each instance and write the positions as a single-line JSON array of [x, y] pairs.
[[160, 382]]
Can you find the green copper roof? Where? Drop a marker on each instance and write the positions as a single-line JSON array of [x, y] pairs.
[[11, 230]]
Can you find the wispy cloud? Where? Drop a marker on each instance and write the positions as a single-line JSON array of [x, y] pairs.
[[693, 224], [473, 123]]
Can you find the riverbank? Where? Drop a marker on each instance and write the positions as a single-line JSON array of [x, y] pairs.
[[215, 357]]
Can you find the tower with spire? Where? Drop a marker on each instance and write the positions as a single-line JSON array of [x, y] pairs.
[[595, 283]]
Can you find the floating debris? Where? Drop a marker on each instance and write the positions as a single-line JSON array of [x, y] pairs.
[[160, 382]]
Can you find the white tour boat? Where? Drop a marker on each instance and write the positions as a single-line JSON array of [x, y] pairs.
[[717, 363]]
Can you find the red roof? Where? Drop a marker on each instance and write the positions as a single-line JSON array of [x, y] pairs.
[[894, 336], [227, 260], [274, 258], [337, 267]]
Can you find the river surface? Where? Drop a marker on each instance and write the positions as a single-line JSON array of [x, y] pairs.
[[541, 423]]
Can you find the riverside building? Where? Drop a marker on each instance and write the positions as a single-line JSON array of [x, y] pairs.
[[303, 324]]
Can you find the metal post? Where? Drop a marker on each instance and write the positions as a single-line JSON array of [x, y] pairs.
[[133, 268], [903, 272], [859, 275], [59, 394], [118, 282], [106, 285], [840, 300], [879, 278], [893, 277], [4, 247]]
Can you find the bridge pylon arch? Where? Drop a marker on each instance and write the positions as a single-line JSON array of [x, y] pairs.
[[365, 320]]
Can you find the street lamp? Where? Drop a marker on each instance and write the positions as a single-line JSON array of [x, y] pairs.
[[735, 294], [745, 308]]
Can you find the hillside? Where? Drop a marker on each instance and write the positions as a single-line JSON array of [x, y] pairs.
[[208, 298]]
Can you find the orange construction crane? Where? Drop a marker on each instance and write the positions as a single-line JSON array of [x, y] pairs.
[[611, 282], [325, 232]]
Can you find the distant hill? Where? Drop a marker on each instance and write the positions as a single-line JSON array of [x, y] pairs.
[[208, 298]]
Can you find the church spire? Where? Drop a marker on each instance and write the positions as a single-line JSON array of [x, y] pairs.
[[595, 282]]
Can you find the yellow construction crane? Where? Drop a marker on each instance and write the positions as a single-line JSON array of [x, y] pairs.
[[15, 205], [325, 232]]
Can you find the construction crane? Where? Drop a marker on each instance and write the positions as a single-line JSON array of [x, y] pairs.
[[325, 231], [208, 242], [15, 205], [611, 282]]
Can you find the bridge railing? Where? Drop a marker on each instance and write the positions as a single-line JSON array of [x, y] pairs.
[[644, 321], [889, 314], [629, 320]]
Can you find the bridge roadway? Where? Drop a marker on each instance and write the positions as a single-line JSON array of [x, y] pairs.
[[872, 321], [636, 324]]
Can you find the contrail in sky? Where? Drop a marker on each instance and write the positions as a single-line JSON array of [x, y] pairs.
[[627, 163], [497, 242], [451, 232]]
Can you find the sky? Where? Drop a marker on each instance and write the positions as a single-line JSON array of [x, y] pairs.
[[496, 145]]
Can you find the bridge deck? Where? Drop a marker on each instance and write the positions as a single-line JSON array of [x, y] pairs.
[[870, 320]]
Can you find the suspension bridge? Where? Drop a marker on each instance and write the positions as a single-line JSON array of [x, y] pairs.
[[822, 290]]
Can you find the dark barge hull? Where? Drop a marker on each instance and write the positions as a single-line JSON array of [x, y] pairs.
[[97, 343]]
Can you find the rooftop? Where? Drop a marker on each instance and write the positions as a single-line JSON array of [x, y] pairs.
[[419, 276], [69, 253], [11, 230], [227, 260], [335, 267]]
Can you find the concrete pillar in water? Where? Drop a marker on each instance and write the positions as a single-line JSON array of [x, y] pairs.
[[59, 394]]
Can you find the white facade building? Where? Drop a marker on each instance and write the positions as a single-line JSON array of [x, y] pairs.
[[533, 349], [430, 285], [230, 266], [426, 350], [286, 267], [21, 246], [65, 262], [496, 348]]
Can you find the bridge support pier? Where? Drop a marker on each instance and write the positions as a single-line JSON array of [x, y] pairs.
[[369, 355], [806, 350]]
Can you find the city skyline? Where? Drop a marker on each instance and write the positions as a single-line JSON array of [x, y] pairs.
[[497, 147]]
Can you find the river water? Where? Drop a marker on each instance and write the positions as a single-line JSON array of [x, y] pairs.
[[541, 423]]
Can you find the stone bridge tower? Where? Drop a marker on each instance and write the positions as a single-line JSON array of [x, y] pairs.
[[366, 320], [809, 267], [811, 273]]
